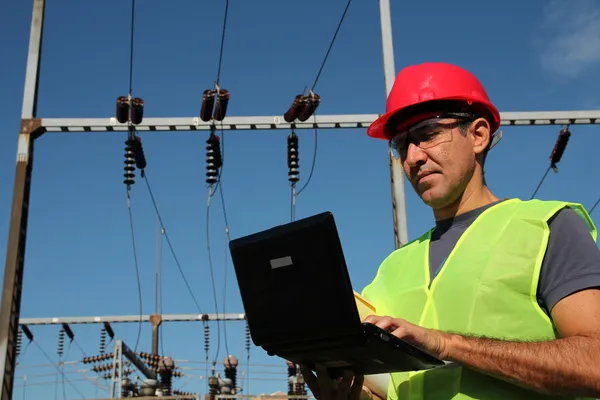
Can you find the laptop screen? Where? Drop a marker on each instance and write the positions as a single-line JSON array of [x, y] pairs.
[[294, 282]]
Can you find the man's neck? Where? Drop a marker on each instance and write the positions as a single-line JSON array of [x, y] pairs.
[[472, 198]]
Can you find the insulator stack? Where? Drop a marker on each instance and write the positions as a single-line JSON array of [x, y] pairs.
[[165, 370], [208, 103], [214, 160], [122, 109], [213, 385], [206, 338], [221, 107], [231, 363], [292, 113], [293, 158], [177, 374], [292, 371], [181, 393], [125, 113], [100, 358], [302, 108], [19, 341], [137, 111], [299, 386], [138, 153], [102, 368], [248, 339], [311, 103], [559, 148], [61, 342], [102, 340], [129, 168], [127, 388]]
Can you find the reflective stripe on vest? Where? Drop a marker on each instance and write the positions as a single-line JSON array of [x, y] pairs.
[[487, 287]]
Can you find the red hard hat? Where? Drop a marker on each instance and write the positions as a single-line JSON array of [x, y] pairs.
[[418, 86]]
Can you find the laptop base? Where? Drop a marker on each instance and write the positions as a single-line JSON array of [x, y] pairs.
[[375, 351]]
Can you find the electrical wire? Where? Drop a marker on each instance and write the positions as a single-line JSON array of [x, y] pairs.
[[222, 41], [170, 244], [331, 45], [225, 263], [227, 237], [57, 368], [540, 183], [160, 287], [594, 206], [137, 269], [131, 47], [212, 273], [314, 160]]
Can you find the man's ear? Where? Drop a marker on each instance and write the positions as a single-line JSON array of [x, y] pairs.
[[480, 135]]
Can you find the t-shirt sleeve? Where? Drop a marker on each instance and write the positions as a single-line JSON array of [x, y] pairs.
[[572, 260]]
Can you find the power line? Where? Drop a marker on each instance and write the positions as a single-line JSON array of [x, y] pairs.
[[222, 41], [166, 235], [540, 183], [131, 47], [314, 160], [330, 45], [225, 263], [137, 270], [211, 269], [594, 206], [57, 368], [294, 193]]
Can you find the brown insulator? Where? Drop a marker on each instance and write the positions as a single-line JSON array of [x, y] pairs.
[[137, 111], [559, 147], [208, 103], [309, 107], [221, 107], [122, 109], [292, 113]]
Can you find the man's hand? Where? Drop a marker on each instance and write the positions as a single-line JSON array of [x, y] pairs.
[[435, 342], [349, 387]]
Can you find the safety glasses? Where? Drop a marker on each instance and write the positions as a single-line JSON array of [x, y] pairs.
[[428, 133]]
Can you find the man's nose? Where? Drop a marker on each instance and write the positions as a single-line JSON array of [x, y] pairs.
[[415, 156]]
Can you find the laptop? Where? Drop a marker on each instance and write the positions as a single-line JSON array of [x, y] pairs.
[[300, 306]]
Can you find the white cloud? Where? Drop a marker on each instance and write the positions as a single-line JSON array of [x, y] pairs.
[[572, 36]]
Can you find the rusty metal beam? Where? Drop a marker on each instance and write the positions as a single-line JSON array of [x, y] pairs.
[[15, 256]]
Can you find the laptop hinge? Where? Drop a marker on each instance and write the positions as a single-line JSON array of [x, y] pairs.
[[319, 340]]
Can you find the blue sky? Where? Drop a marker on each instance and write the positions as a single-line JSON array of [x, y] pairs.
[[534, 55]]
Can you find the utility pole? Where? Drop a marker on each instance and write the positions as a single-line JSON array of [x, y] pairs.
[[396, 172], [33, 127]]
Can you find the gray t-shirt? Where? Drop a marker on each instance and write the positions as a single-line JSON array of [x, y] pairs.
[[571, 262]]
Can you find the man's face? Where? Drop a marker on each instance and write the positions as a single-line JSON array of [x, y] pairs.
[[438, 159]]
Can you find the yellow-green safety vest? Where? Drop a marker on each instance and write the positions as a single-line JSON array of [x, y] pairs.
[[486, 287]]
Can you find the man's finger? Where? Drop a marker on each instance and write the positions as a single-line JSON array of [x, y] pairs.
[[325, 382], [345, 385], [372, 319], [387, 323], [311, 380], [357, 386]]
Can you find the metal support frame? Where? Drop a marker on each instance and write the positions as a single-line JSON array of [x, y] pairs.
[[131, 319], [32, 128], [396, 172], [121, 349]]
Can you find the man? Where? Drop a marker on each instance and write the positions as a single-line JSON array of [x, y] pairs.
[[504, 289]]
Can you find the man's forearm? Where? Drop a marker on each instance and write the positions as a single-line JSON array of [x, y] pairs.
[[563, 366]]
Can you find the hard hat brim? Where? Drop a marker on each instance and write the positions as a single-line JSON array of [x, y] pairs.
[[379, 129]]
